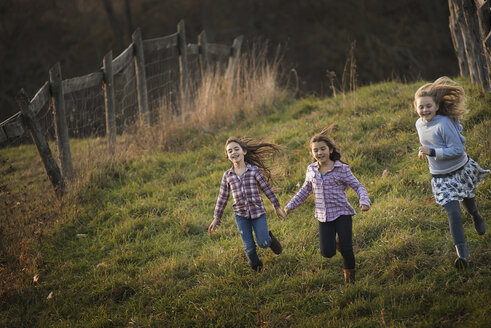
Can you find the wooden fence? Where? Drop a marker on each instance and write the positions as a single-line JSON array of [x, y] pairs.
[[54, 92]]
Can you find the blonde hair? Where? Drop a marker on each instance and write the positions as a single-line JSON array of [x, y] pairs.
[[447, 95]]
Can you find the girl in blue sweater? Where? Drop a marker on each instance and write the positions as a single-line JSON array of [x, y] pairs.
[[454, 176]]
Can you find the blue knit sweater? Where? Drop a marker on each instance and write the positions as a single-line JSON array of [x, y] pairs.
[[443, 135]]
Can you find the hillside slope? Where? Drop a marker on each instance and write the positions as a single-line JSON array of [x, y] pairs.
[[130, 246]]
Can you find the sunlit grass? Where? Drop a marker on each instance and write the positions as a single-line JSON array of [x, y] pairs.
[[128, 246]]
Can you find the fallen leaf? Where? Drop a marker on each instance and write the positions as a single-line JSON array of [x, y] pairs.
[[428, 200]]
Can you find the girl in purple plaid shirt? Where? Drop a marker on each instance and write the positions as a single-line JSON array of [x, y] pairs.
[[243, 180], [328, 177]]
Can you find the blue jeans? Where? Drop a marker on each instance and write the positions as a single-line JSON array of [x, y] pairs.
[[260, 227]]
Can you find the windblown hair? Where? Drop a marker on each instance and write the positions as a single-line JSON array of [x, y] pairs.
[[322, 137], [257, 152], [447, 95]]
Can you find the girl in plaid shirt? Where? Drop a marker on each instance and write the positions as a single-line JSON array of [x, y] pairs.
[[328, 177], [243, 180]]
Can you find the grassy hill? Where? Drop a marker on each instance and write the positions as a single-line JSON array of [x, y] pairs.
[[129, 246]]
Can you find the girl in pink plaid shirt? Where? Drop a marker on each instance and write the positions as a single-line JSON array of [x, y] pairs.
[[243, 180], [328, 177]]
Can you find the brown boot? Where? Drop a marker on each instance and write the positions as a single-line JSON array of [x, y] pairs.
[[349, 276]]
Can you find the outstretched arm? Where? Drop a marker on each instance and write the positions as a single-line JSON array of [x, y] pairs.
[[221, 204], [214, 224], [268, 191], [300, 197], [353, 182]]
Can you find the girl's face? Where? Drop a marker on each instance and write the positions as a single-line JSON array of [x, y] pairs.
[[426, 108], [235, 153], [321, 152]]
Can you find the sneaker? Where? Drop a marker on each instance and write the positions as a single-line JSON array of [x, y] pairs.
[[461, 263], [257, 267]]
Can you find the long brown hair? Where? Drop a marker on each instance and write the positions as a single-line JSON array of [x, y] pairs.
[[447, 95], [335, 155], [257, 152]]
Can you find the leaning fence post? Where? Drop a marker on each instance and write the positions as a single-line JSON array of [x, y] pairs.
[[183, 62], [141, 79], [61, 127], [234, 55], [34, 127], [109, 101]]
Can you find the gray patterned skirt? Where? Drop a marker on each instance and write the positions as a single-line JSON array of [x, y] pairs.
[[459, 184]]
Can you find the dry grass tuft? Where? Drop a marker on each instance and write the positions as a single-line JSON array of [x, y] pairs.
[[251, 87]]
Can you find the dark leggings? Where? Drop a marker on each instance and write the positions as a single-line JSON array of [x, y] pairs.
[[327, 236], [455, 217]]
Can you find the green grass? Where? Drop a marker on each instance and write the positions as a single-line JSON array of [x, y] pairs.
[[146, 259]]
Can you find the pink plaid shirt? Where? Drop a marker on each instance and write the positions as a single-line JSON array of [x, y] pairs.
[[245, 191], [330, 199]]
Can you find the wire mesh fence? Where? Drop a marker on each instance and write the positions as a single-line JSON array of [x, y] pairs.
[[162, 73], [85, 112], [126, 99], [85, 98]]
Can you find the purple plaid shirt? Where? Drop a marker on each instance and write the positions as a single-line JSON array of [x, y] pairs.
[[245, 191], [330, 199]]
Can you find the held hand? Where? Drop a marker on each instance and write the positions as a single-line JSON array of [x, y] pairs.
[[421, 156], [280, 213], [287, 211], [364, 207], [213, 225]]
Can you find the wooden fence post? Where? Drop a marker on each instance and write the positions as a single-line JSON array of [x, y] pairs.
[[49, 162], [109, 101], [183, 63], [61, 127], [203, 46], [232, 60], [141, 79]]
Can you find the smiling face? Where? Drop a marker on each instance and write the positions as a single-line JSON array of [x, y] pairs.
[[321, 152], [235, 153], [426, 108]]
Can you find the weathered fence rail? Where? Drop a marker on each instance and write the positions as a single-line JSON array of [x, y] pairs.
[[132, 75]]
